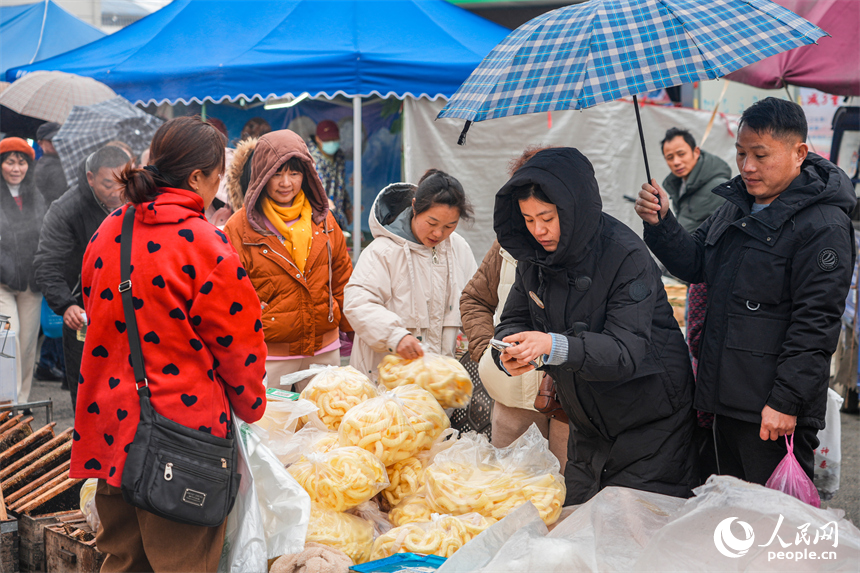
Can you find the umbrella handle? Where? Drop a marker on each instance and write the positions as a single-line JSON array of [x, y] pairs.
[[644, 153], [462, 139]]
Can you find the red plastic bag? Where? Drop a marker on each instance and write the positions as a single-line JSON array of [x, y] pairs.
[[789, 477]]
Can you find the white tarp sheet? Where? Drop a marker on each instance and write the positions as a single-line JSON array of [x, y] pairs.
[[606, 134], [730, 525]]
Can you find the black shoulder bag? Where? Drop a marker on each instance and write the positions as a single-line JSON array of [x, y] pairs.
[[177, 473]]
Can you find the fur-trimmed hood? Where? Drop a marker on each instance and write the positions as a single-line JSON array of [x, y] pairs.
[[241, 164], [272, 151]]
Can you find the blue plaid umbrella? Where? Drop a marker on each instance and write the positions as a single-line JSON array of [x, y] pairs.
[[601, 50]]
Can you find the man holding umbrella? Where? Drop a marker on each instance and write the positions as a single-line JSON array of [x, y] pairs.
[[777, 257], [66, 231]]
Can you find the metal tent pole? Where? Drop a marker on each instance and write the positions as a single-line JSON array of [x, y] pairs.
[[356, 178]]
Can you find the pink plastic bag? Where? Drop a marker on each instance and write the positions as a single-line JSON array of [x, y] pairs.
[[789, 477]]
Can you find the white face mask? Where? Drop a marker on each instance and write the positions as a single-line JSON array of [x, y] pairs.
[[330, 147]]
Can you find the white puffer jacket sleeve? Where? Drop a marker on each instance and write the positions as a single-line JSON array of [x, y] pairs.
[[365, 299]]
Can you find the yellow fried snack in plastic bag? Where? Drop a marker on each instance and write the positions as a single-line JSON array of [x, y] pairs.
[[313, 438], [341, 478], [370, 511], [349, 533], [281, 420], [426, 416], [460, 489], [441, 536], [88, 503], [382, 427], [442, 376], [325, 443], [413, 509], [473, 476], [335, 390], [406, 478]]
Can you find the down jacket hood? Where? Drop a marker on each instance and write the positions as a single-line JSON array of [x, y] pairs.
[[390, 202], [271, 152], [241, 162], [567, 178]]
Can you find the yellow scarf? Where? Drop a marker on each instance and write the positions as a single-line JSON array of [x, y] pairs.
[[297, 237]]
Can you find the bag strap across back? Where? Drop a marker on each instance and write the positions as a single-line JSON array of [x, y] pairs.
[[128, 301], [128, 309]]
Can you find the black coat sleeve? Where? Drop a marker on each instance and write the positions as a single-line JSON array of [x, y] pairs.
[[516, 317], [56, 248], [682, 253], [818, 303], [622, 349]]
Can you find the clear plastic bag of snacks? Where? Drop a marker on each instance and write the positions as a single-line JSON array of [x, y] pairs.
[[281, 420], [337, 389], [312, 438], [88, 503], [443, 535], [341, 478], [474, 476], [382, 427], [370, 511], [344, 531], [425, 414], [412, 509], [445, 378], [406, 477]]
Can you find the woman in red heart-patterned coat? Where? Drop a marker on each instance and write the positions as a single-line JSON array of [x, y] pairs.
[[201, 336]]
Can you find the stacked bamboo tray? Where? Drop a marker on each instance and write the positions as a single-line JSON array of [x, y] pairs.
[[34, 488]]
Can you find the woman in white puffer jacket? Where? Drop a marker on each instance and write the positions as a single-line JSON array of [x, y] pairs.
[[405, 290]]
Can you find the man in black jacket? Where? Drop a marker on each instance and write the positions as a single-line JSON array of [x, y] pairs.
[[67, 228], [694, 173], [49, 170], [777, 258], [51, 181], [589, 303]]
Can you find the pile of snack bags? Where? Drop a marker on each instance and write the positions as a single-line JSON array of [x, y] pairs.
[[386, 473]]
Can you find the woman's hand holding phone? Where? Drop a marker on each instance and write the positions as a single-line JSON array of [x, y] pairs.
[[526, 349]]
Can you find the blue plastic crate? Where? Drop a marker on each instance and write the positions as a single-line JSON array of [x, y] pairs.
[[399, 562]]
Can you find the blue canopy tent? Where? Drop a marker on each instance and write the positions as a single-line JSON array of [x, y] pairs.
[[203, 50], [34, 32]]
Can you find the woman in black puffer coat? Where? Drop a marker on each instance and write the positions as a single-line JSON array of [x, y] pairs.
[[588, 305], [22, 209]]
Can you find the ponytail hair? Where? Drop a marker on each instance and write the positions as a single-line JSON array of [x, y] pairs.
[[179, 147], [438, 188]]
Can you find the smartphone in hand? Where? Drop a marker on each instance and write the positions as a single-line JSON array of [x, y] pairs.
[[501, 345]]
